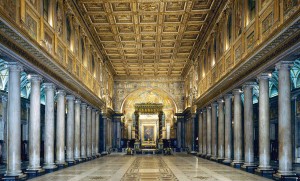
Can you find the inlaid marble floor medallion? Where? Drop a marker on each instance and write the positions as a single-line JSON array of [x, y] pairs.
[[149, 168]]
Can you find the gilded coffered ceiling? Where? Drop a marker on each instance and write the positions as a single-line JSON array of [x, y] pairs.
[[146, 37]]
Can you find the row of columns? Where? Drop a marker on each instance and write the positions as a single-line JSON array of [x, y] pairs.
[[218, 144], [82, 130]]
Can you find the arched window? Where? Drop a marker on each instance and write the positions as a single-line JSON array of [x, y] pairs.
[[251, 9], [69, 29], [93, 66], [82, 49], [238, 17], [46, 11], [229, 29]]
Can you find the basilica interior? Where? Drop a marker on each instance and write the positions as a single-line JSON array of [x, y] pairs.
[[150, 90]]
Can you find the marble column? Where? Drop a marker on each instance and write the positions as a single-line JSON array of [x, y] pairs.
[[248, 125], [204, 128], [284, 120], [97, 133], [221, 127], [208, 133], [93, 132], [264, 124], [4, 119], [14, 121], [83, 134], [104, 133], [49, 89], [238, 129], [228, 129], [70, 130], [35, 124], [89, 132], [214, 129], [60, 128], [77, 131], [200, 132]]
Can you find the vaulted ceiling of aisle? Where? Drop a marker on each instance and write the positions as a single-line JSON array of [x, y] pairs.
[[147, 37]]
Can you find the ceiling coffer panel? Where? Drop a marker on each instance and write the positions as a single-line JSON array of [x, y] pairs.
[[146, 37]]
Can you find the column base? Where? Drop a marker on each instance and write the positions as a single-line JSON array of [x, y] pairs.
[[104, 153], [227, 161], [34, 173], [286, 176], [50, 170], [198, 154], [49, 167], [265, 172], [83, 159], [208, 156], [71, 163], [78, 160], [193, 153], [61, 165], [203, 155], [14, 178], [214, 158], [249, 167], [220, 160], [98, 155], [237, 163]]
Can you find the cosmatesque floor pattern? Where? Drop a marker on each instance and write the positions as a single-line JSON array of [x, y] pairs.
[[150, 167]]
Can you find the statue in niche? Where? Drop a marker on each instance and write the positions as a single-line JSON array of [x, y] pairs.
[[59, 19]]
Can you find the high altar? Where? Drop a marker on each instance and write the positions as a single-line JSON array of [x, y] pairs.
[[148, 125]]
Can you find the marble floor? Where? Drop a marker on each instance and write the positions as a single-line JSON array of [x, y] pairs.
[[149, 167]]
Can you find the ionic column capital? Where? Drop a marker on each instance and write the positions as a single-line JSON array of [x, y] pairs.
[[227, 96], [77, 101], [237, 91], [15, 66], [35, 78], [49, 86], [214, 104], [61, 92], [70, 97], [249, 84], [221, 101], [89, 107], [265, 75], [83, 105], [284, 65]]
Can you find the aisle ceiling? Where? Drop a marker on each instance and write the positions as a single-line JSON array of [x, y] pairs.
[[146, 37]]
